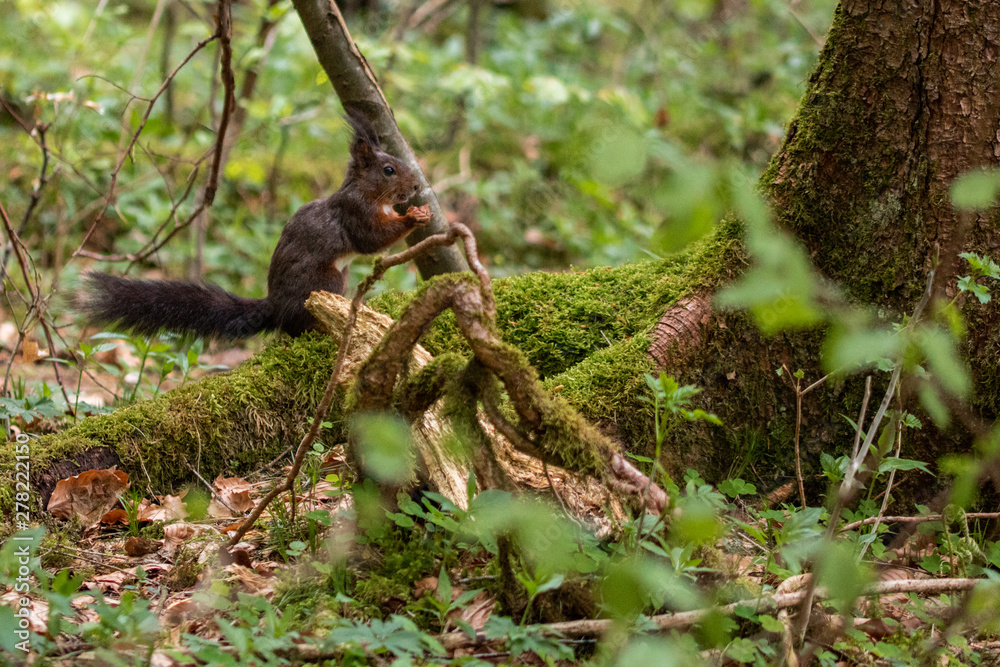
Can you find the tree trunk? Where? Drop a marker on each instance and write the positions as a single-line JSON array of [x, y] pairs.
[[905, 97]]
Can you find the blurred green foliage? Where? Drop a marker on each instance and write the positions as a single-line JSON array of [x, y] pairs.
[[587, 134]]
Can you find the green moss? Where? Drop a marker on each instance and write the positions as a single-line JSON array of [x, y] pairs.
[[606, 387], [419, 391], [560, 319]]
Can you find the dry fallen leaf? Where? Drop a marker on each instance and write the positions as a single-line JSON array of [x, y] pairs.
[[170, 508], [140, 546], [424, 586], [479, 610], [183, 610], [876, 628], [335, 462], [112, 583], [38, 611], [230, 527], [252, 582], [117, 515], [266, 568], [88, 495], [900, 573], [235, 492], [82, 601], [177, 534]]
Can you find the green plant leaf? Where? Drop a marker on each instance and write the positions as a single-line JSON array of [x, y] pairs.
[[975, 190]]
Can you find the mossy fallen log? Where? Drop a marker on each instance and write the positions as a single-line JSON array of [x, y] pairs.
[[585, 331], [227, 422]]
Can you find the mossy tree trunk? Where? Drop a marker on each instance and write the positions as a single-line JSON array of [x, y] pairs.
[[905, 97]]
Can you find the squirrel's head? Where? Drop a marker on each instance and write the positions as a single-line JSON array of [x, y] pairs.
[[375, 171]]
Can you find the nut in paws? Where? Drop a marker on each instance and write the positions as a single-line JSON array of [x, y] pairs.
[[420, 215]]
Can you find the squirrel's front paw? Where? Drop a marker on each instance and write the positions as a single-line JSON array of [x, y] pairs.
[[419, 214]]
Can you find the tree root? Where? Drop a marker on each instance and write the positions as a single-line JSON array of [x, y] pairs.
[[682, 328], [547, 428]]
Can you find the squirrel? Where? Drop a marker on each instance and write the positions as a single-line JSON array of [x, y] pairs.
[[313, 253]]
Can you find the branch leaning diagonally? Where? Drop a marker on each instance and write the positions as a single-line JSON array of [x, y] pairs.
[[356, 86]]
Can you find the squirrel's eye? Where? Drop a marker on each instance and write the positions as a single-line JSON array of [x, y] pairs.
[[388, 171]]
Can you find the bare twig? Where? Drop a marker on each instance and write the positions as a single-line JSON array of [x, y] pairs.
[[686, 619], [796, 384], [425, 11], [35, 308], [223, 145], [153, 245], [52, 355], [892, 477], [229, 127], [25, 125], [555, 492], [21, 252], [912, 519], [225, 33], [36, 191], [109, 197], [139, 65]]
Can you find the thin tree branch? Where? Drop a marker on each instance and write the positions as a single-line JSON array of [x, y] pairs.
[[925, 518], [109, 197], [356, 86], [687, 619]]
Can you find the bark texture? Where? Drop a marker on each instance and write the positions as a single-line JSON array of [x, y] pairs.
[[681, 329], [905, 98]]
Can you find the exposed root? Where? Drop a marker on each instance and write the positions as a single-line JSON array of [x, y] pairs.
[[546, 429]]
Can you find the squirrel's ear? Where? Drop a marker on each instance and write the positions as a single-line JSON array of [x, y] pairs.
[[362, 152], [365, 142]]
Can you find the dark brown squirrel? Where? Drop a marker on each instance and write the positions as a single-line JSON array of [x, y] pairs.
[[312, 254]]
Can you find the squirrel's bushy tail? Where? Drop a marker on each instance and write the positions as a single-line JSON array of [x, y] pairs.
[[148, 306]]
